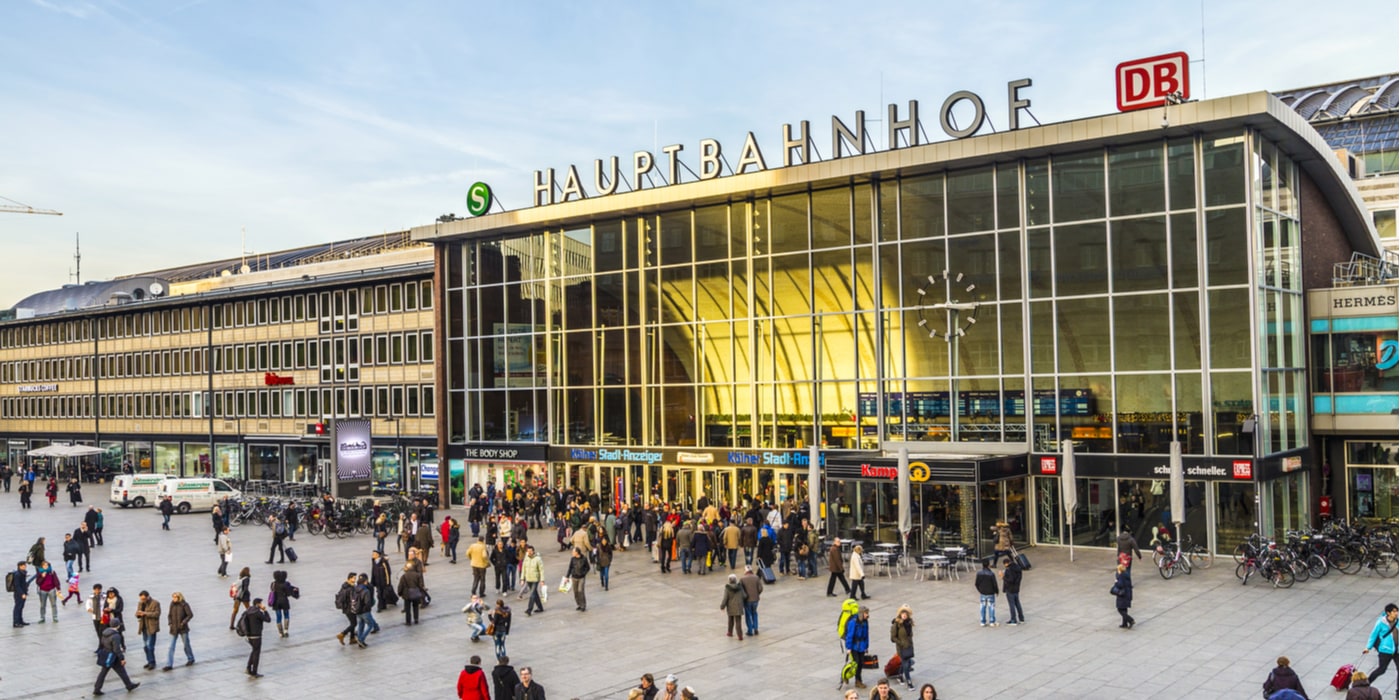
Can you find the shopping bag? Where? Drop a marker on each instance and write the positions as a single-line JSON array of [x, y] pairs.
[[566, 584]]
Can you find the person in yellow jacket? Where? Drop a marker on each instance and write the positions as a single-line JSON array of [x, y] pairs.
[[480, 559]]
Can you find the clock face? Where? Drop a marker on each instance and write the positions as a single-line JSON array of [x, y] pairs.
[[942, 311]]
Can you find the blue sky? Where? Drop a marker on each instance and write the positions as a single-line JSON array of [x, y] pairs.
[[162, 129]]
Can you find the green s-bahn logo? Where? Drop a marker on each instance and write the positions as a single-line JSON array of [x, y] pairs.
[[478, 199]]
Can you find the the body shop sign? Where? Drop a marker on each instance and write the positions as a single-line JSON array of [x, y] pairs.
[[350, 458]]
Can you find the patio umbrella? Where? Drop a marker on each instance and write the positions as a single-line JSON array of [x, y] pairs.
[[1178, 489], [66, 451], [904, 514], [1068, 493], [814, 483]]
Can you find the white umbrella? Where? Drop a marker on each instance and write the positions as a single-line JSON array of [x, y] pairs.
[[814, 483], [1178, 489], [905, 519], [1068, 493]]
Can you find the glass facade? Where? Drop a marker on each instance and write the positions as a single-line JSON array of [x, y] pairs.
[[1122, 298], [1371, 484]]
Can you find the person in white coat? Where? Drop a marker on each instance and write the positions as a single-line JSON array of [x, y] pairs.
[[856, 570]]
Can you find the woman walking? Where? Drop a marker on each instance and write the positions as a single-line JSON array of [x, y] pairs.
[[902, 634], [733, 605], [48, 590], [500, 626], [280, 596], [1123, 592], [412, 589], [856, 570], [241, 593], [664, 545], [36, 555], [75, 492], [605, 555], [52, 491]]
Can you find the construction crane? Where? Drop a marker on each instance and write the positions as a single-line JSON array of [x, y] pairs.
[[13, 207]]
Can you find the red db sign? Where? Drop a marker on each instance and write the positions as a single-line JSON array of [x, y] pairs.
[[1147, 82], [1048, 465], [1242, 469]]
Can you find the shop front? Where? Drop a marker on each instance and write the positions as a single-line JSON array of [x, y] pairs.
[[953, 501], [504, 463], [1370, 472]]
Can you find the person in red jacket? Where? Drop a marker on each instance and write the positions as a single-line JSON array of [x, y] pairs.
[[471, 683]]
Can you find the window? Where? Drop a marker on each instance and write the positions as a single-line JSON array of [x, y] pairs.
[[427, 338], [410, 347]]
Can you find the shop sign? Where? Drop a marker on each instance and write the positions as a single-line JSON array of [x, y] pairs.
[[772, 459], [506, 453], [1048, 465], [1389, 355], [873, 472], [1242, 469], [428, 470], [1363, 300], [1292, 464], [919, 472], [273, 379], [629, 456], [1194, 470], [1152, 82], [846, 140], [37, 388], [695, 458]]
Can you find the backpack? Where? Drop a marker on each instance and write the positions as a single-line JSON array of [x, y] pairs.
[[280, 529], [9, 582], [849, 609], [242, 627], [233, 590], [343, 599]]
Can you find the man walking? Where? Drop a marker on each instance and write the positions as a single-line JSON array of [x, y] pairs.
[[178, 619], [1383, 640], [279, 533], [730, 536], [381, 578], [167, 508], [480, 559], [111, 656], [252, 625], [225, 551], [753, 588], [533, 571], [986, 583], [578, 574], [83, 536], [364, 610], [345, 603], [1127, 546], [1011, 586], [94, 608], [148, 624], [834, 561], [20, 588]]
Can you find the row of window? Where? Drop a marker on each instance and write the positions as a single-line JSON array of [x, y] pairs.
[[380, 401], [337, 310], [378, 349]]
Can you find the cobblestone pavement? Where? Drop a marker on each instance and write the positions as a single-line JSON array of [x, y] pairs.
[[1199, 636]]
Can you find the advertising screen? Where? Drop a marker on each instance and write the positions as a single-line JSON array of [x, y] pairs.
[[351, 458]]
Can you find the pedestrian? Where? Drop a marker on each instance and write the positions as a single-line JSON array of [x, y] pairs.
[[36, 555], [748, 539], [111, 656], [1127, 546], [1002, 545], [1283, 677], [1361, 688], [1011, 586], [647, 690], [1123, 592], [20, 591], [512, 560], [504, 679], [83, 536], [48, 584], [291, 517], [70, 552], [413, 590], [112, 609], [279, 533], [423, 539], [500, 626], [225, 547], [148, 624], [902, 635], [178, 620], [733, 605], [381, 578], [700, 548], [364, 610], [99, 522], [218, 520], [856, 570], [73, 590], [664, 545], [685, 537], [753, 588], [986, 583], [471, 682], [51, 491], [279, 598], [928, 692], [1383, 640], [242, 594], [528, 688], [671, 689], [26, 494], [167, 509], [838, 569], [578, 575], [6, 474], [532, 571], [345, 602], [381, 531], [605, 557], [94, 609], [476, 612], [499, 567], [857, 640], [251, 625], [480, 559], [75, 492]]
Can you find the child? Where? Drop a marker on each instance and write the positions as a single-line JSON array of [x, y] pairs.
[[72, 588]]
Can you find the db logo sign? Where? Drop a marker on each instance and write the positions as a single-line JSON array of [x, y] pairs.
[[1242, 469], [1147, 82], [1048, 465]]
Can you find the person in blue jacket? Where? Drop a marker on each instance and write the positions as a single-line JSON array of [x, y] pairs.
[[1382, 639], [857, 640], [1123, 592]]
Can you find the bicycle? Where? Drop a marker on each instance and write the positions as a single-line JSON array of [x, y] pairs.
[[1197, 554], [1172, 560]]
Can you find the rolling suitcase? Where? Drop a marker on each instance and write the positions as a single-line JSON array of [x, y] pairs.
[[292, 555], [1341, 680], [767, 573], [1021, 560]]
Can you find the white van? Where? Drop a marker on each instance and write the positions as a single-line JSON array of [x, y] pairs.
[[137, 490], [197, 494]]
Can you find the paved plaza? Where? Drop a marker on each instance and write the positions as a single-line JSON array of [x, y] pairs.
[[1199, 636]]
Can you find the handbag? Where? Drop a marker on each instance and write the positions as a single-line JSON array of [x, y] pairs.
[[1115, 590], [491, 630], [413, 594]]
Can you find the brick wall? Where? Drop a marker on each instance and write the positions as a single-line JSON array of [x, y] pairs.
[[1323, 242]]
